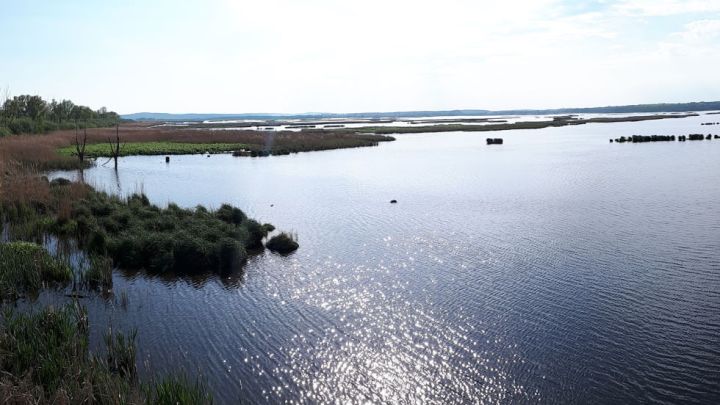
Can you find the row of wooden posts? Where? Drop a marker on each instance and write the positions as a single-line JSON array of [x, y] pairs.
[[664, 138]]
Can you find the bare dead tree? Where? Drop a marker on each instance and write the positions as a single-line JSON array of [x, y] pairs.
[[115, 146], [80, 143]]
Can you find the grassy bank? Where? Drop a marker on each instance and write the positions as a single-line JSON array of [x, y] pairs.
[[44, 359], [155, 148], [55, 150]]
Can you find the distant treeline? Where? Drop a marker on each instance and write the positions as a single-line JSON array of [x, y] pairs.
[[637, 108], [28, 114]]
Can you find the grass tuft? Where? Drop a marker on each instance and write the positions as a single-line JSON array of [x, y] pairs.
[[174, 390], [25, 266], [44, 359], [283, 243]]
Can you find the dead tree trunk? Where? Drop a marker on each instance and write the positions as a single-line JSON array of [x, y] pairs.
[[80, 143], [115, 146]]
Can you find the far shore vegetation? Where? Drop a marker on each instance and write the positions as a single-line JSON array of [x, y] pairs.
[[556, 122]]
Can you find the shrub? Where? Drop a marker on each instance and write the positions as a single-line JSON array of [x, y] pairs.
[[140, 235], [22, 126], [282, 243], [230, 214]]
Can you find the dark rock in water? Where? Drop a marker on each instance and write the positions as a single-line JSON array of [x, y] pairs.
[[494, 141], [696, 137], [393, 201], [708, 137], [167, 159], [611, 141], [717, 136]]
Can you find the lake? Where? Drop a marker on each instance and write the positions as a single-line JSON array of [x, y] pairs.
[[555, 268]]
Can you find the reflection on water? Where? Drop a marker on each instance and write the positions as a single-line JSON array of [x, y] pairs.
[[555, 268]]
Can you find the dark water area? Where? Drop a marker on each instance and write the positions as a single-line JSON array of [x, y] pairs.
[[556, 268]]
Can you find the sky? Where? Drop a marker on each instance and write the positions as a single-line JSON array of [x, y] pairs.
[[285, 56]]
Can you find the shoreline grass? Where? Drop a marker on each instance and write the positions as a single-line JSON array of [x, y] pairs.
[[154, 148], [25, 266], [42, 152], [45, 359]]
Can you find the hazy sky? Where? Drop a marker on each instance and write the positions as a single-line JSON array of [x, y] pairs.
[[232, 56]]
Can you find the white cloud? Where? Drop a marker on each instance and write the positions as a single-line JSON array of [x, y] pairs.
[[666, 7], [700, 31]]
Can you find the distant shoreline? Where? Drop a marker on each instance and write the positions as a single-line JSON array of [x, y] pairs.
[[557, 122], [621, 109]]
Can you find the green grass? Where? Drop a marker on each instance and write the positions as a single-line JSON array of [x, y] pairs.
[[155, 148], [48, 345], [25, 266], [44, 359], [175, 390], [97, 273]]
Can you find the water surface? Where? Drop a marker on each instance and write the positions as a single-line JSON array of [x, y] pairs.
[[555, 268]]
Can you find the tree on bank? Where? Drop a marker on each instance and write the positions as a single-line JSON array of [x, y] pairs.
[[28, 114]]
